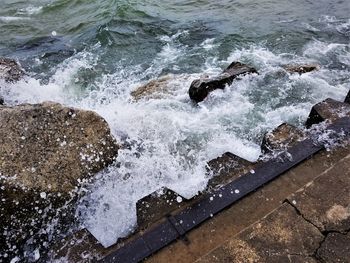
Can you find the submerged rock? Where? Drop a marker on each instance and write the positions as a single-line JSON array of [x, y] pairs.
[[10, 70], [46, 150], [160, 87], [301, 68], [281, 138], [200, 88]]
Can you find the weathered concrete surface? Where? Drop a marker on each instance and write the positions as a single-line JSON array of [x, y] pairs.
[[328, 109], [275, 238], [200, 88], [281, 138], [298, 231], [10, 70], [227, 168], [335, 248], [240, 215], [301, 68], [325, 202]]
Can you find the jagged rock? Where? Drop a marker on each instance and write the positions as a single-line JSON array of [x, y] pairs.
[[347, 99], [227, 168], [200, 88], [159, 88], [281, 138], [10, 70], [328, 109], [301, 68], [46, 149], [2, 101]]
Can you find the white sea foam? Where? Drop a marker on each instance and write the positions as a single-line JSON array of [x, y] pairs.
[[171, 139], [9, 19], [30, 10]]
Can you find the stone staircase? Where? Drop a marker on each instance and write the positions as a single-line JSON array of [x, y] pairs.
[[284, 221]]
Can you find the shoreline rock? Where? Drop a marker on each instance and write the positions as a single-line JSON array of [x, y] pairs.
[[10, 70], [160, 87], [200, 88], [301, 69], [47, 150]]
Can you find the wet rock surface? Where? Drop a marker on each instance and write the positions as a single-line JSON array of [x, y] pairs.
[[328, 109], [227, 168], [10, 70], [200, 88], [49, 147], [160, 87], [46, 151], [301, 68], [347, 99], [281, 138]]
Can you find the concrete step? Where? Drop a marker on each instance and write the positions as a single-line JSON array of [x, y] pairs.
[[312, 225], [82, 247]]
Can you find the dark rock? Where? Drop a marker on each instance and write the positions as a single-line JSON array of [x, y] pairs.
[[347, 99], [200, 88], [328, 109], [10, 70], [2, 101], [46, 150], [227, 168], [335, 248], [301, 68], [157, 205], [281, 138]]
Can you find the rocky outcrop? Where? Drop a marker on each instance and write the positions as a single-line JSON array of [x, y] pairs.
[[301, 68], [200, 88], [10, 70], [328, 109], [46, 151], [281, 138], [161, 87]]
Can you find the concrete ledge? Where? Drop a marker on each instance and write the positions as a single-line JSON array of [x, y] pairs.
[[313, 225]]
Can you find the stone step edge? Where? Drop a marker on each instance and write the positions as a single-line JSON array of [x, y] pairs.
[[165, 233], [154, 223], [288, 200]]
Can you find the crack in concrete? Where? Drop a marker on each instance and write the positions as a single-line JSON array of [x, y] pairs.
[[324, 233], [300, 214]]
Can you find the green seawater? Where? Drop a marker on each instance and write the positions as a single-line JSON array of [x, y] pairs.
[[129, 31]]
